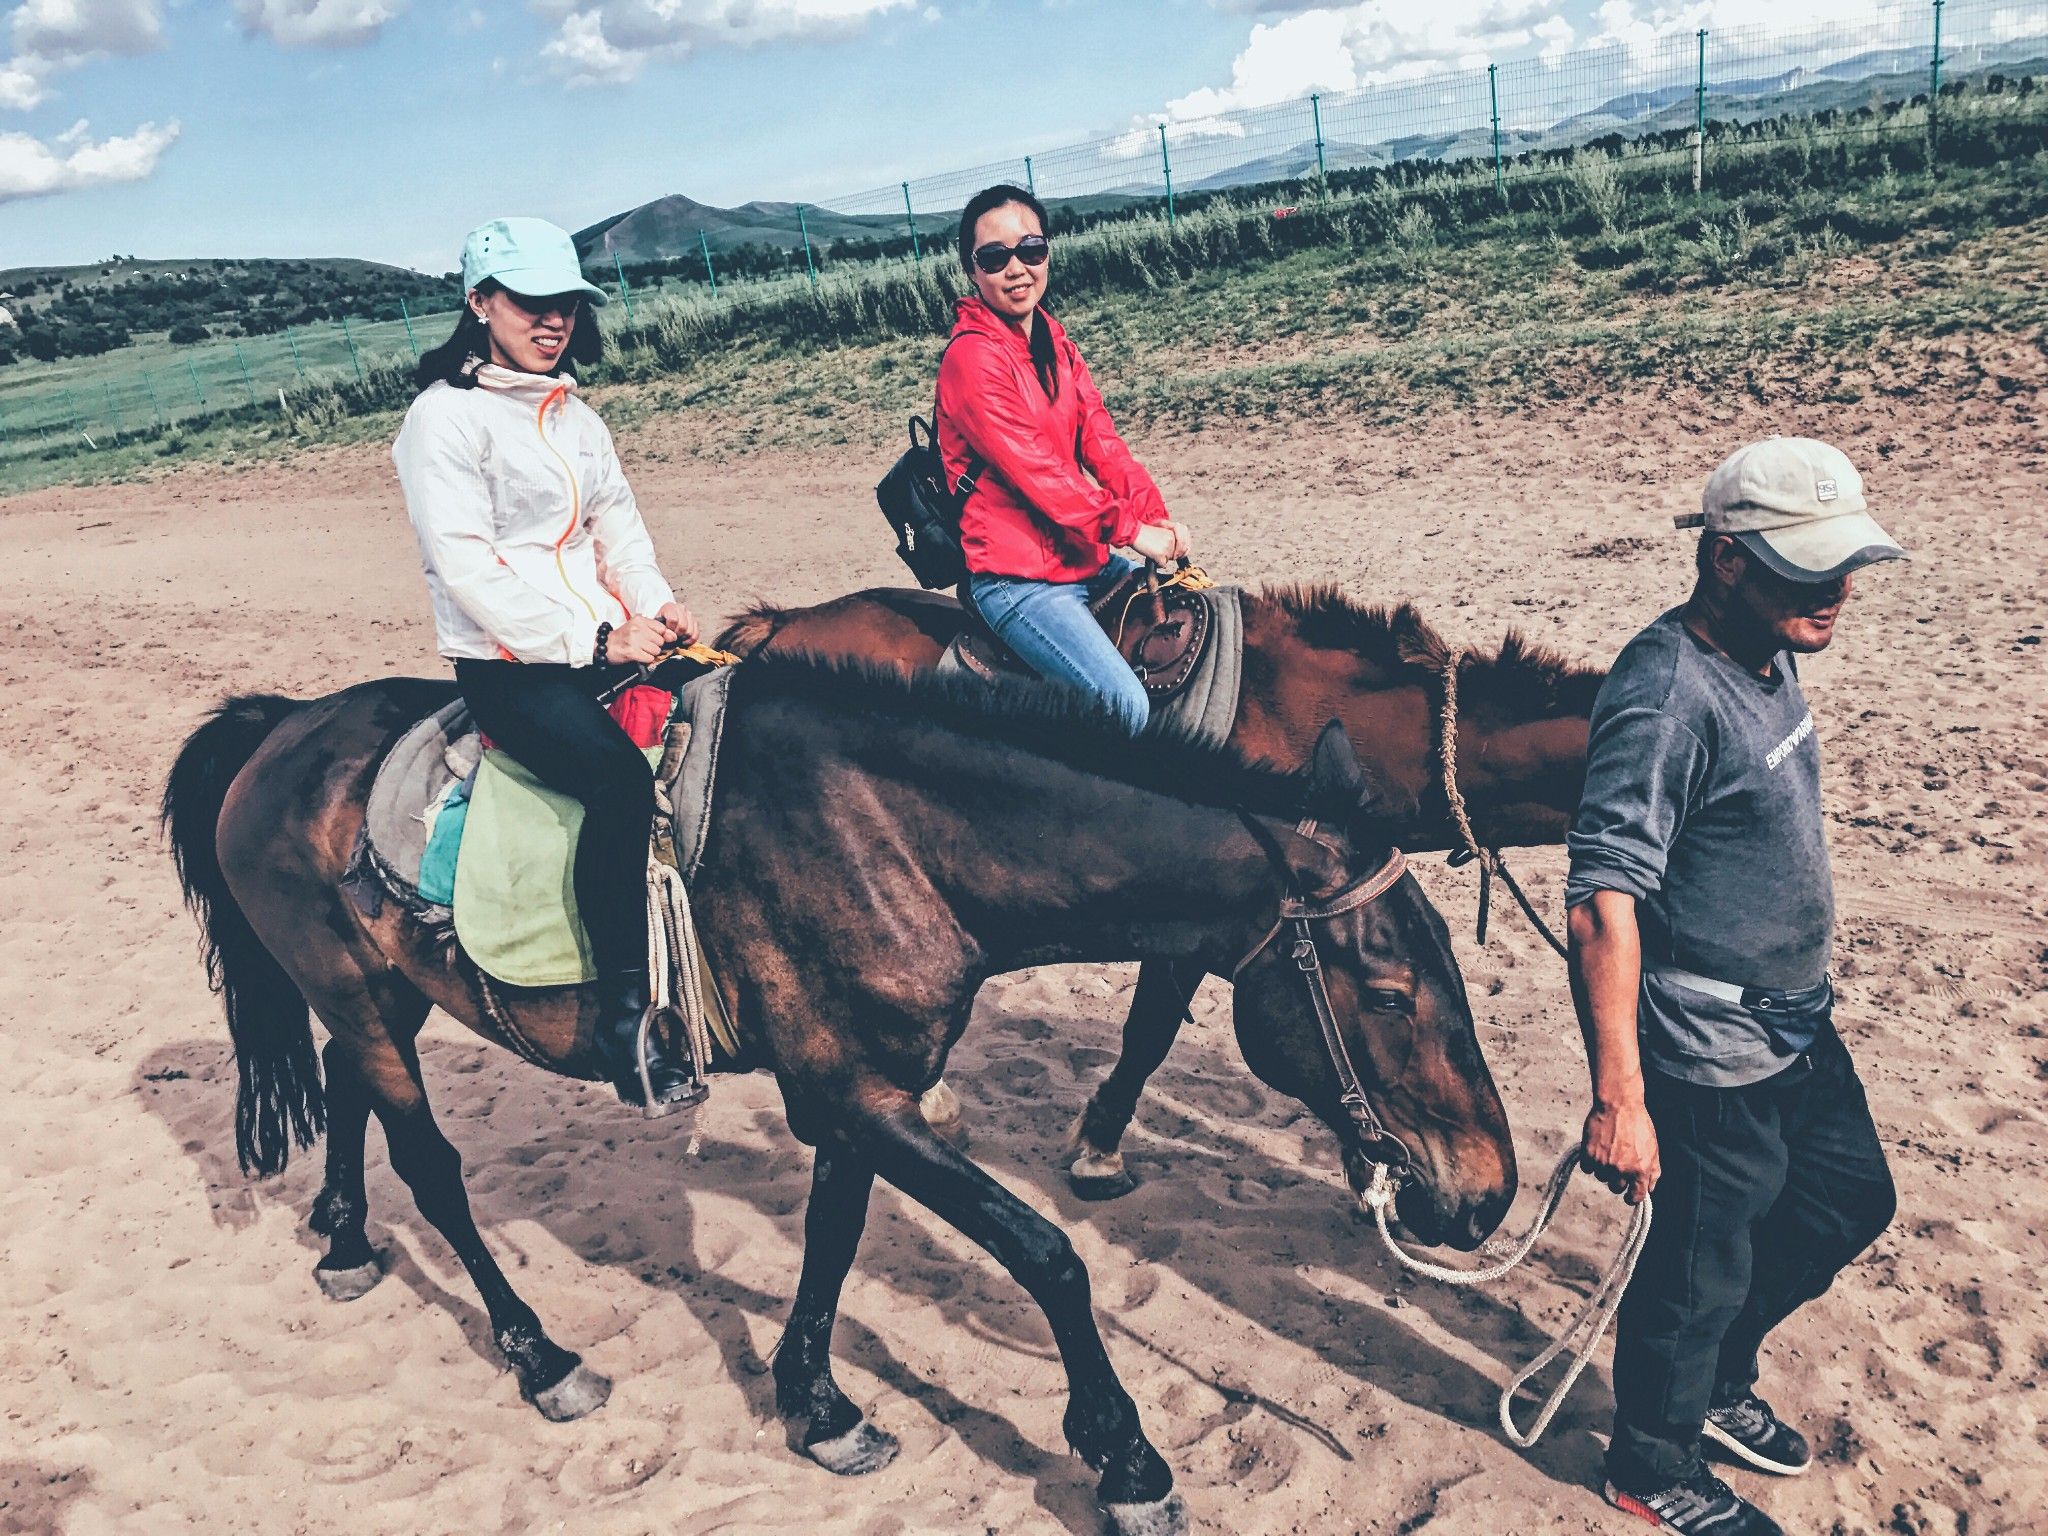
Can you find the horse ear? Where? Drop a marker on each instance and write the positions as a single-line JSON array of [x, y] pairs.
[[1339, 781]]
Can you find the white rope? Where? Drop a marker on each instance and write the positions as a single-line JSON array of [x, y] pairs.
[[673, 976], [1593, 1317]]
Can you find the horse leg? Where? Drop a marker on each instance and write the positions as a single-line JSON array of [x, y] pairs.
[[373, 1025], [828, 1427], [553, 1379], [1095, 1165], [1136, 1489], [351, 1266]]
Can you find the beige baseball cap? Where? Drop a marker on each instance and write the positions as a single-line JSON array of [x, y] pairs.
[[1797, 505]]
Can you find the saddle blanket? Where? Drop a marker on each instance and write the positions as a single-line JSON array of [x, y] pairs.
[[1205, 706], [469, 836]]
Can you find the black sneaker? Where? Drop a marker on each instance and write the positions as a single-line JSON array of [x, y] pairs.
[[1701, 1505], [1755, 1436]]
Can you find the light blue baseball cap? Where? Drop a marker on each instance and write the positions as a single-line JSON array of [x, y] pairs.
[[531, 257]]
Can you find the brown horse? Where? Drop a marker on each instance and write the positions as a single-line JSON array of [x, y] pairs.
[[1310, 655], [881, 848]]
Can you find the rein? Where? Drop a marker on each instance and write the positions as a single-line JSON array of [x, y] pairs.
[[1377, 1144], [1580, 1335], [1489, 859]]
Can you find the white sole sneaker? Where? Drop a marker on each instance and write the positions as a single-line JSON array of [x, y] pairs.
[[1714, 1432]]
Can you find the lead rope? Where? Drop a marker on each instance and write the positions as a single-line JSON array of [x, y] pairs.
[[1593, 1317], [1489, 860], [674, 978]]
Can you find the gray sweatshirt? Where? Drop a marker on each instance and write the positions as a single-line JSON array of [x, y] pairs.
[[1702, 801]]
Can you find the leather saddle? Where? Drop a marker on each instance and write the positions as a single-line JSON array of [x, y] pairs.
[[1163, 632]]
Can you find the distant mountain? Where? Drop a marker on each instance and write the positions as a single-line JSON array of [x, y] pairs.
[[670, 226]]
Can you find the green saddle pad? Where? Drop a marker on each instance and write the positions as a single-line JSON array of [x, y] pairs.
[[515, 896]]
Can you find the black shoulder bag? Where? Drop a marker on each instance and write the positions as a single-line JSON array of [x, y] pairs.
[[925, 511]]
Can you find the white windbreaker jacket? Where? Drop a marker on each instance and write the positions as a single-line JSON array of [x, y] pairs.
[[528, 531]]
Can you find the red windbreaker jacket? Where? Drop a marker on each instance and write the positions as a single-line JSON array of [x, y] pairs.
[[1034, 513]]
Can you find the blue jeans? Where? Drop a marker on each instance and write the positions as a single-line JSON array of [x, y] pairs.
[[1049, 625]]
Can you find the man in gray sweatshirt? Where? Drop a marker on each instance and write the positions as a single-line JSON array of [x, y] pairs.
[[1701, 915]]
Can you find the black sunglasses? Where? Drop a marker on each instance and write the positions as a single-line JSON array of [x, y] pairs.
[[1031, 250]]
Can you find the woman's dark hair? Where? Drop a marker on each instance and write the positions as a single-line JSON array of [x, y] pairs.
[[457, 359], [1044, 361]]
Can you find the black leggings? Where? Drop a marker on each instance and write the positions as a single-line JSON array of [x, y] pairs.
[[547, 716]]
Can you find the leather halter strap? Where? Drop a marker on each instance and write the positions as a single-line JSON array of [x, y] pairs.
[[1376, 1143]]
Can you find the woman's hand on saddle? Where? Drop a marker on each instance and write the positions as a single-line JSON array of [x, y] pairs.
[[682, 624], [1161, 543], [637, 642]]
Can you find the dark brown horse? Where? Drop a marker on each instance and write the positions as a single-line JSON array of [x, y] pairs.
[[881, 848], [1310, 655]]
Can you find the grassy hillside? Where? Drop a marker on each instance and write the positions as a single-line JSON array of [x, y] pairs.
[[1812, 265], [86, 311]]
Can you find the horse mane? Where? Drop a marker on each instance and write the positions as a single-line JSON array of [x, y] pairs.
[[1059, 724], [754, 628], [1522, 680]]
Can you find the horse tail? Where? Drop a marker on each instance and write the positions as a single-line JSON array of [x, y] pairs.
[[751, 630], [279, 1098]]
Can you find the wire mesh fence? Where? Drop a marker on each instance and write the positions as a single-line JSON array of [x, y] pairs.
[[1701, 98]]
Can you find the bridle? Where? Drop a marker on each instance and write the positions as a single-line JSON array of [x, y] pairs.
[[1373, 1141]]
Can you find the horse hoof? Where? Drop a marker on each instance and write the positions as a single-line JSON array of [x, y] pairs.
[[1163, 1517], [581, 1391], [1096, 1176], [861, 1450], [940, 1106], [348, 1284]]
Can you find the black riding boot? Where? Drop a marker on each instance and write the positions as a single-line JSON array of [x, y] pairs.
[[622, 1001]]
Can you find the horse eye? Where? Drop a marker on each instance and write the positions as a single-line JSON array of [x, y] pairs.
[[1385, 1000]]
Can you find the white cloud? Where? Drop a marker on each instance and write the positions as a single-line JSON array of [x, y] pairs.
[[20, 86], [317, 23], [610, 41], [66, 32], [31, 168], [49, 36], [1342, 48]]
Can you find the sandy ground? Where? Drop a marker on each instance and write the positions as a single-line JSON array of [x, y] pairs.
[[166, 1363]]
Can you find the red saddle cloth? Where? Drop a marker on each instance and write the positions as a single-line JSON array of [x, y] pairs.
[[642, 713]]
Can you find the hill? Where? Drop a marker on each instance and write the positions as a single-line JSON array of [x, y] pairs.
[[670, 226], [81, 311]]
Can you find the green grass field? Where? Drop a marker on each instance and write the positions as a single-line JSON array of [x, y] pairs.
[[1594, 274]]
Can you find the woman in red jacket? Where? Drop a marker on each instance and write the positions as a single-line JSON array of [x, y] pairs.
[[1015, 398]]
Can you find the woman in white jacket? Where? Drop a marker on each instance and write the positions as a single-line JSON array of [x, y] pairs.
[[543, 578]]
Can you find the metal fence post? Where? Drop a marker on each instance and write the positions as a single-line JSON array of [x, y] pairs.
[[1030, 182], [1500, 186], [251, 383], [354, 356], [1315, 107], [625, 297], [410, 339], [916, 248], [113, 411], [156, 406], [1166, 164], [297, 362], [1699, 124], [704, 245], [198, 393], [804, 229], [1934, 93], [70, 405]]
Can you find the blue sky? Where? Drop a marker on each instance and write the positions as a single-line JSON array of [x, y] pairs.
[[386, 128]]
